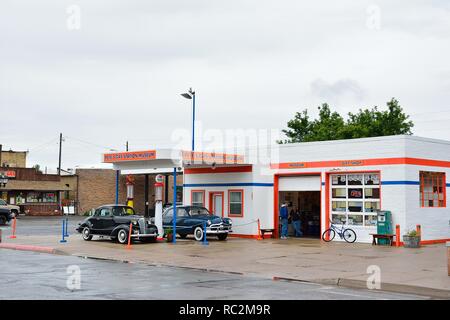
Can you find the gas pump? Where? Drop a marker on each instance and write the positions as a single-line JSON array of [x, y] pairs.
[[158, 204], [130, 190], [384, 225]]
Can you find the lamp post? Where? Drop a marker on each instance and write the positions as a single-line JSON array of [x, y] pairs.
[[191, 96]]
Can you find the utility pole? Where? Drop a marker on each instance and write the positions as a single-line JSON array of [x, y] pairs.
[[60, 149], [1, 148], [127, 145]]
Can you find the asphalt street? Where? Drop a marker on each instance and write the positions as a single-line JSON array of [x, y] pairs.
[[30, 275]]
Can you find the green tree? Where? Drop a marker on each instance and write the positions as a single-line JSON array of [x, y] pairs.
[[332, 126]]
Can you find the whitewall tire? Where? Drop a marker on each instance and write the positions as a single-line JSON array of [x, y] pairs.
[[122, 236], [198, 233], [86, 234]]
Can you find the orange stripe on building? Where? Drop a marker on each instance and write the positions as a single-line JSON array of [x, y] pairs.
[[361, 162], [219, 170]]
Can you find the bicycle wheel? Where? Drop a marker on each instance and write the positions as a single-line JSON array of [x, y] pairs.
[[328, 235], [349, 235]]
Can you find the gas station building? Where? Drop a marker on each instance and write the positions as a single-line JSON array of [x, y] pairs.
[[343, 181]]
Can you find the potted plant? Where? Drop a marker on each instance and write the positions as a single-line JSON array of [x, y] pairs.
[[411, 239], [169, 234]]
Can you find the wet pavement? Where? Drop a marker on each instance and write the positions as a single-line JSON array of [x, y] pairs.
[[30, 275]]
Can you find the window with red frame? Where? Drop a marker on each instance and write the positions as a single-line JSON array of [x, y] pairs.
[[198, 198], [236, 203], [432, 189]]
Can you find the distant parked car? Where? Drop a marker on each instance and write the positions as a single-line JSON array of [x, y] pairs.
[[191, 220], [15, 210], [5, 216], [114, 221]]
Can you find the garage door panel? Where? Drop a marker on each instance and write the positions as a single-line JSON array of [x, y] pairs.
[[299, 183]]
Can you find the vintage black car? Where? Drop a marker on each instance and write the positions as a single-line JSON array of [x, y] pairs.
[[5, 215], [114, 221], [192, 219]]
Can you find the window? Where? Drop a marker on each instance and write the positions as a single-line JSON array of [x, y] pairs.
[[339, 192], [168, 214], [198, 198], [355, 198], [182, 213], [45, 197], [236, 203], [122, 211], [432, 189], [105, 212], [197, 211]]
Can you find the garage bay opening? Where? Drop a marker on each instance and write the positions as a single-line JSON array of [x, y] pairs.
[[302, 195]]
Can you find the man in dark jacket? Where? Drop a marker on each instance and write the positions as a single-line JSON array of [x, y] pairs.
[[284, 215], [295, 216]]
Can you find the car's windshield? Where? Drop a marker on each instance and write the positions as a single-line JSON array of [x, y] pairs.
[[198, 210], [122, 211], [2, 202]]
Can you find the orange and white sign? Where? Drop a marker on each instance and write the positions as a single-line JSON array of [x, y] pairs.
[[129, 156], [212, 157]]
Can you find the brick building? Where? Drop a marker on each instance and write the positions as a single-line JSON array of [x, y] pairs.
[[96, 187], [15, 159]]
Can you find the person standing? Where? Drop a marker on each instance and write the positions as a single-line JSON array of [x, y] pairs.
[[284, 215], [295, 216]]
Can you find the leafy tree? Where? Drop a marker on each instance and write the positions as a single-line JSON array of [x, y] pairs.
[[332, 126]]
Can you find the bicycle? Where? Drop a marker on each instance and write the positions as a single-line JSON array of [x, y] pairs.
[[348, 234]]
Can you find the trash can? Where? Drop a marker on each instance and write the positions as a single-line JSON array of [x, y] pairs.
[[448, 258]]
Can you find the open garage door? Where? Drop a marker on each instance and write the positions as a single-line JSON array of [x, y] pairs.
[[299, 183], [302, 195]]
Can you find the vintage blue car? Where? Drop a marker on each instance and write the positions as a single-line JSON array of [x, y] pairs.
[[192, 220]]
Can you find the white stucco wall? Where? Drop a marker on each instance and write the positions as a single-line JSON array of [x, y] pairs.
[[399, 194]]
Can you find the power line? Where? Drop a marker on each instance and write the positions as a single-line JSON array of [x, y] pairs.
[[91, 143]]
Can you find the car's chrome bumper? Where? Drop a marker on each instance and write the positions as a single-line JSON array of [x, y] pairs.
[[145, 235], [219, 228]]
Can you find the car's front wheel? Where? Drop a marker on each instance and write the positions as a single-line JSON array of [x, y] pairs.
[[198, 233], [86, 234], [2, 220], [122, 236]]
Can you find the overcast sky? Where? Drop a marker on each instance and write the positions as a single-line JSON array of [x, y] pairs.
[[118, 74]]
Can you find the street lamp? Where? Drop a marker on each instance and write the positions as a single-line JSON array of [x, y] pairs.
[[191, 95]]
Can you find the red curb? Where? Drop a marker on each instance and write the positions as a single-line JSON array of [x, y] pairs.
[[24, 247]]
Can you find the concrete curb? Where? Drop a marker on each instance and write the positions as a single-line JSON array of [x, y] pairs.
[[23, 247], [387, 287]]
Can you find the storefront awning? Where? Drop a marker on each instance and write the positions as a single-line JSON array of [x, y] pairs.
[[164, 160]]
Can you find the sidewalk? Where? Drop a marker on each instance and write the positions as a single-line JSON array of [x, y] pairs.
[[419, 271]]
